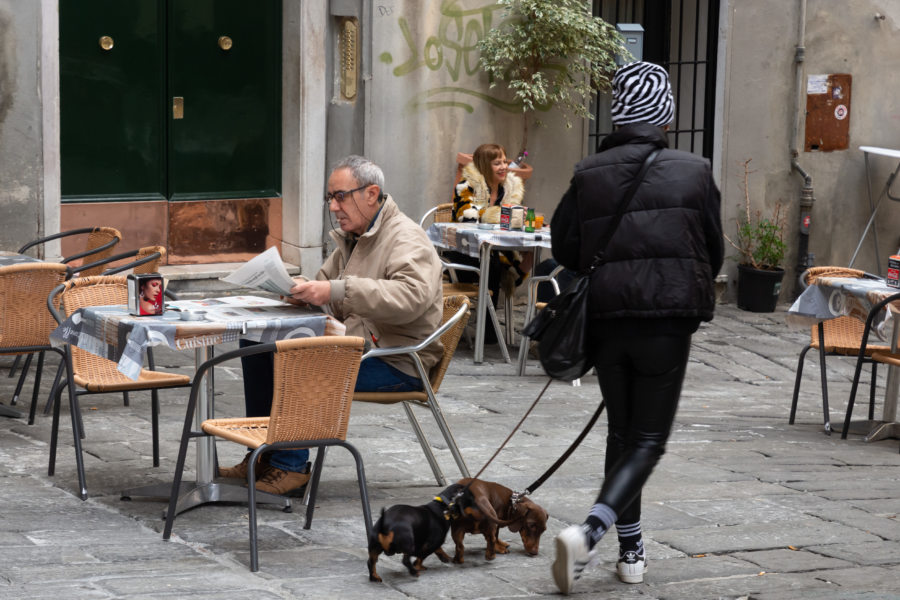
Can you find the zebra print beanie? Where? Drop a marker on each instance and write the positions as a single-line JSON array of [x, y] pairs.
[[642, 94]]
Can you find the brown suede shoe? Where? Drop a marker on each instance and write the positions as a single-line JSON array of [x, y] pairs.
[[283, 483], [239, 471]]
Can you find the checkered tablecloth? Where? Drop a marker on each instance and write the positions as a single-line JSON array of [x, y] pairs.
[[468, 238], [110, 332]]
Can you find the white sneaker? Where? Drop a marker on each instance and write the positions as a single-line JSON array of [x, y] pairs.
[[572, 556], [631, 567]]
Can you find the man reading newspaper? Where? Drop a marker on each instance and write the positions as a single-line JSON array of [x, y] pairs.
[[383, 281]]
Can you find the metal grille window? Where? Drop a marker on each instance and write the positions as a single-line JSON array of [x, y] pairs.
[[682, 36]]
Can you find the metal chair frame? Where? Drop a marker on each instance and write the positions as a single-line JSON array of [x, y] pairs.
[[430, 400], [321, 444]]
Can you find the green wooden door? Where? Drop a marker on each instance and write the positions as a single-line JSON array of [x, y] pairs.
[[112, 90], [225, 70], [119, 135]]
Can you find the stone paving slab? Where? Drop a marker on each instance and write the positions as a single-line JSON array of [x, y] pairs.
[[742, 505]]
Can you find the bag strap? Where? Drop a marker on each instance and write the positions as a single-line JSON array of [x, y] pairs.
[[600, 257]]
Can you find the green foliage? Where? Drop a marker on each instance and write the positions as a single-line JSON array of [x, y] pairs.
[[551, 53], [760, 240]]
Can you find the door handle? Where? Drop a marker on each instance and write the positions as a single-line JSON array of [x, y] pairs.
[[178, 107]]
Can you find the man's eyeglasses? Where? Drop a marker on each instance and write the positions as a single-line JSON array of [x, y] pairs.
[[340, 194]]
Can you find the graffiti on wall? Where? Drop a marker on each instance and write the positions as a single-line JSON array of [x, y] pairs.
[[453, 48]]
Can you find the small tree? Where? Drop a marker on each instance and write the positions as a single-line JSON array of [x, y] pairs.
[[551, 53]]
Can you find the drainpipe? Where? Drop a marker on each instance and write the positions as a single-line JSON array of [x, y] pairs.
[[807, 197]]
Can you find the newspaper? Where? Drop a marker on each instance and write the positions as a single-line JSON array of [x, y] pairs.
[[265, 272]]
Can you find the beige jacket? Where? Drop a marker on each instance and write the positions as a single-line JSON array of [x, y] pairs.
[[388, 288]]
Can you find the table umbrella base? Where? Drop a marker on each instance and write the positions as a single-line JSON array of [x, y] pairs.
[[873, 431], [12, 413], [193, 494]]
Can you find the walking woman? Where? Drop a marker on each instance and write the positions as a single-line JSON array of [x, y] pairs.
[[650, 295]]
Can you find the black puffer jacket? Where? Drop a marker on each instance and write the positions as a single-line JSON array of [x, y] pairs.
[[668, 248]]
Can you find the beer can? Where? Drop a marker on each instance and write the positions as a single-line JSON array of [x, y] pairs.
[[505, 216], [145, 294], [893, 272]]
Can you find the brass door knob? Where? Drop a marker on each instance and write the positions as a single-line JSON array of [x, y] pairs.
[[225, 42], [106, 42]]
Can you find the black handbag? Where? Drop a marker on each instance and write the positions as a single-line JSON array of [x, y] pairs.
[[561, 327]]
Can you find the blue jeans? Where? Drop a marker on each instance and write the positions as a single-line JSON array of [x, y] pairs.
[[375, 375]]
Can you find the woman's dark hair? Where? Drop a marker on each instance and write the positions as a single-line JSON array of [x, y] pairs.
[[484, 155]]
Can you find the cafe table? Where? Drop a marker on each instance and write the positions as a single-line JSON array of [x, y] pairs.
[[831, 297], [111, 332], [8, 258], [473, 239]]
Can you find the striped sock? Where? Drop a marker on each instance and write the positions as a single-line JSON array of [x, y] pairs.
[[630, 539], [599, 520]]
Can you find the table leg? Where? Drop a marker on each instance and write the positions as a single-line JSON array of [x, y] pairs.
[[483, 299], [206, 488], [889, 427]]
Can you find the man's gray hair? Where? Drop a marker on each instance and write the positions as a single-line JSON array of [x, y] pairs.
[[364, 170]]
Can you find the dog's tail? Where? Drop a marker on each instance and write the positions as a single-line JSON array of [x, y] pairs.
[[468, 500], [381, 535]]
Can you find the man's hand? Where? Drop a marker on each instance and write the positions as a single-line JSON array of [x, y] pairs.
[[317, 293]]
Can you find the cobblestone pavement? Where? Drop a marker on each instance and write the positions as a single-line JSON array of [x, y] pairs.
[[743, 505]]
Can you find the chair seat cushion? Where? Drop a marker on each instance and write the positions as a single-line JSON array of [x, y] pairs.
[[388, 398], [886, 358], [249, 431], [108, 379]]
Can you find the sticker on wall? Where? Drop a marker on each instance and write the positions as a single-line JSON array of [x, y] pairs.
[[840, 112], [817, 84]]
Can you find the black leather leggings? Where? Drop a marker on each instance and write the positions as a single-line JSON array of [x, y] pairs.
[[640, 378]]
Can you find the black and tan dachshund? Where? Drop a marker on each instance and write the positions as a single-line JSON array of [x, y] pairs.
[[415, 531]]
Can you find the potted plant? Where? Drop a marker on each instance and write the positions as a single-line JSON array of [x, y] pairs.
[[551, 53], [760, 245]]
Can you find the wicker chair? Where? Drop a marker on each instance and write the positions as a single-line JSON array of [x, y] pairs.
[[865, 354], [313, 387], [97, 375], [452, 287], [146, 260], [99, 245], [25, 322], [456, 310], [843, 337]]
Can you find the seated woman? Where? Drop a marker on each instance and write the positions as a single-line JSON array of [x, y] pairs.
[[487, 182]]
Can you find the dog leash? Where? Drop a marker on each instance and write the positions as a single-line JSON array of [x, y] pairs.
[[518, 496], [451, 506]]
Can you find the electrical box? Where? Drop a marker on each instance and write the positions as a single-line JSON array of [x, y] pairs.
[[828, 112], [633, 35]]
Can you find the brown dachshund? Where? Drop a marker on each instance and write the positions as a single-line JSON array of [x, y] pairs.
[[495, 510]]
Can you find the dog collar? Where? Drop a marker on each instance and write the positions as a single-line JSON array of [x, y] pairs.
[[446, 510], [517, 497]]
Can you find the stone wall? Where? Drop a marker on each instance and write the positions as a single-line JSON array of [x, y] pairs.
[[759, 103]]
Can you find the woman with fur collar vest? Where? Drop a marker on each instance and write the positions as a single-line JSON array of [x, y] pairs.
[[486, 182]]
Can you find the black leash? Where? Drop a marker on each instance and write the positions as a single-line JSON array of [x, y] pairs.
[[517, 496], [559, 461]]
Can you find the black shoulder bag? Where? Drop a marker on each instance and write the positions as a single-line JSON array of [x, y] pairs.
[[561, 327]]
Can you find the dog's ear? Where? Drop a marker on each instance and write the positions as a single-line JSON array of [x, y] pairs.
[[516, 524]]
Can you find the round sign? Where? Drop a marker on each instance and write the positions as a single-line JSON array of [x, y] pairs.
[[840, 112]]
